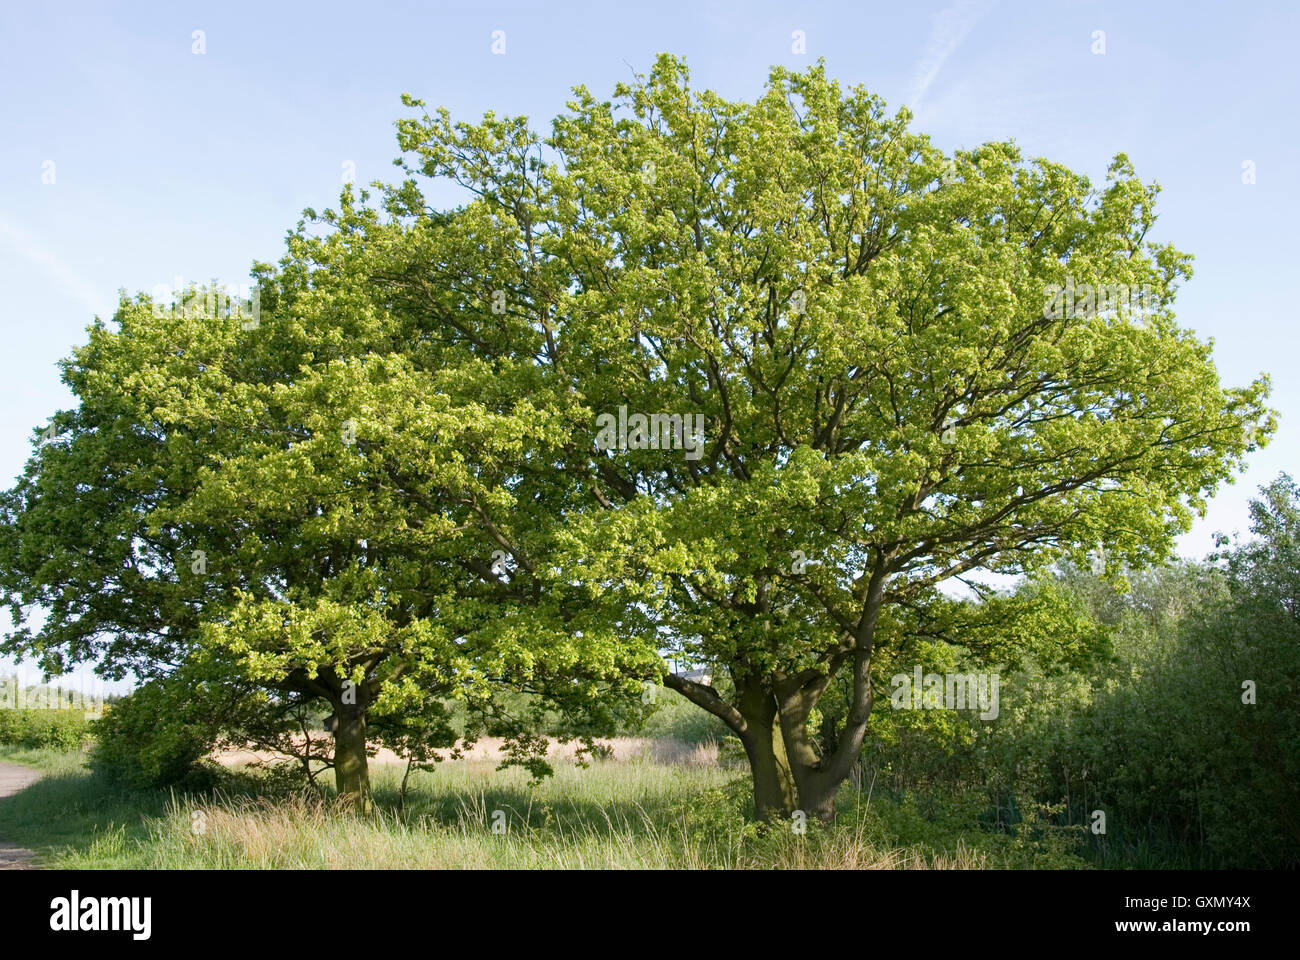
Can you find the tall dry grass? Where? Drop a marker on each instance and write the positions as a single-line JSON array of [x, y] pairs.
[[669, 808], [636, 814]]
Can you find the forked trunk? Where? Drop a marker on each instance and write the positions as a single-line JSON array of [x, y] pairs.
[[774, 793], [788, 773]]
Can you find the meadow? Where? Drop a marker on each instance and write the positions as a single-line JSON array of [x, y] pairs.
[[617, 814]]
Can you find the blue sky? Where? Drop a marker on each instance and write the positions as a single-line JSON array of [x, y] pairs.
[[167, 162]]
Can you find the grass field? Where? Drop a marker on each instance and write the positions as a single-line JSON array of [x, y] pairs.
[[466, 814]]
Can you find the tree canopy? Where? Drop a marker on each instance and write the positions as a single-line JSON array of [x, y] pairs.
[[846, 368]]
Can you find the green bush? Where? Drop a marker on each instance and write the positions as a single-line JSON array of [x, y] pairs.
[[57, 729], [1195, 748], [1179, 750], [155, 737], [1183, 736], [161, 735]]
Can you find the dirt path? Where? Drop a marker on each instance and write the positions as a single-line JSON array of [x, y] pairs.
[[13, 779]]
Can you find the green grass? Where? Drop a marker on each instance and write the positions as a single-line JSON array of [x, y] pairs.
[[635, 814], [49, 759], [67, 811]]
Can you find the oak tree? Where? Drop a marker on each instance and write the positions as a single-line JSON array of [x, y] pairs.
[[910, 366]]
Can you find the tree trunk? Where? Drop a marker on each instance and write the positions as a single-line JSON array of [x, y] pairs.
[[795, 702], [786, 771], [817, 799], [774, 793], [351, 771]]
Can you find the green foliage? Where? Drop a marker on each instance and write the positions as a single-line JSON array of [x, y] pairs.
[[673, 717], [1176, 748], [161, 733], [391, 486], [155, 737], [1154, 733], [55, 729], [859, 320]]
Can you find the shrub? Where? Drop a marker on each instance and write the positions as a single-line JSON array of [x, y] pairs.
[[1178, 748], [154, 737], [56, 729]]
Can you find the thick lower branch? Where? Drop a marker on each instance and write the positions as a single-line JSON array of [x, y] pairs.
[[705, 697]]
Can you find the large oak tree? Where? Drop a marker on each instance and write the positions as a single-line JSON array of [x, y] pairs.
[[911, 367]]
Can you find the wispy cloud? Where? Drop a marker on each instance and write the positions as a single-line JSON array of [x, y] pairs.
[[82, 290], [950, 27]]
